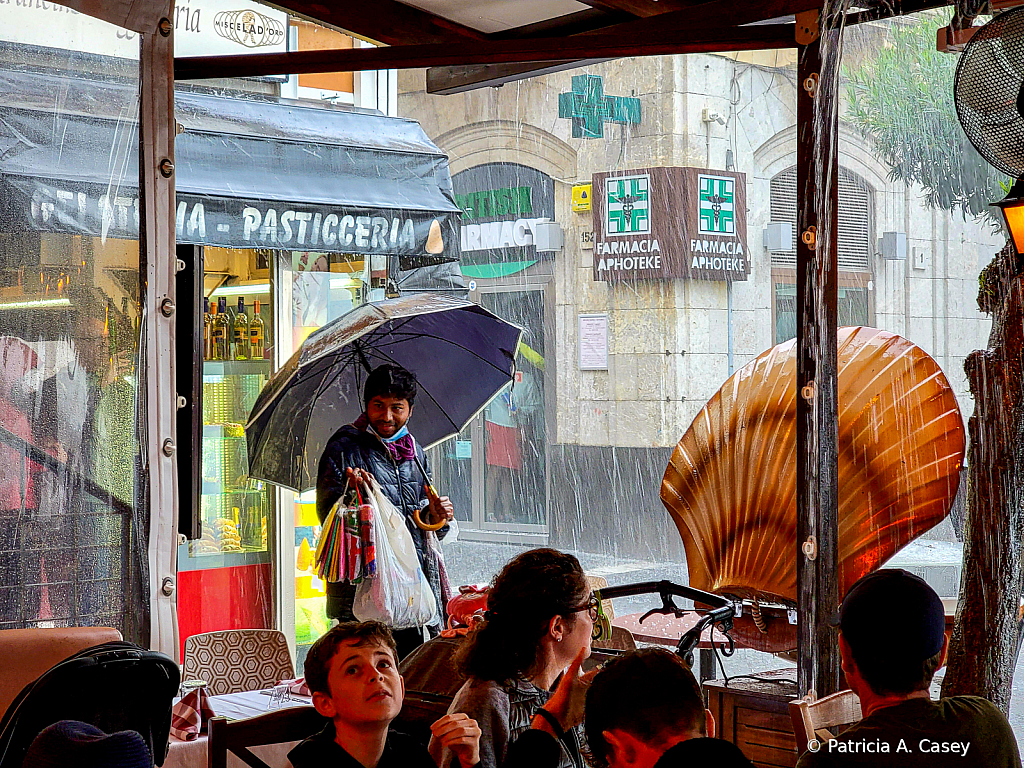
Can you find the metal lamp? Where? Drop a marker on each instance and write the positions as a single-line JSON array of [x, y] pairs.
[[1012, 207]]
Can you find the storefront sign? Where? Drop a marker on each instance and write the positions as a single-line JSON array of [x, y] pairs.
[[593, 341], [501, 204], [228, 222], [663, 223], [201, 28]]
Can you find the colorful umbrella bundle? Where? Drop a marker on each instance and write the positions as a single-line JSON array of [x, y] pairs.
[[345, 551]]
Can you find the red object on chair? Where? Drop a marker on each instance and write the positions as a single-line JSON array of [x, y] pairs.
[[470, 600]]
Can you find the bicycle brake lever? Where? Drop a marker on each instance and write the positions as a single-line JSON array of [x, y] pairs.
[[649, 614], [665, 610]]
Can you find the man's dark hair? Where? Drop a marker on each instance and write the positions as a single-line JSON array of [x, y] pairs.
[[894, 624], [532, 588], [390, 381], [318, 660], [650, 694], [895, 677]]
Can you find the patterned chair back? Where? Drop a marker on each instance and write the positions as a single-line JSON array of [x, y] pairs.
[[236, 660]]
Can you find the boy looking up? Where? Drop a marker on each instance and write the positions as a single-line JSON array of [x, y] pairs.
[[353, 674]]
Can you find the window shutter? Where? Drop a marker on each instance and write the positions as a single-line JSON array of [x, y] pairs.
[[854, 219]]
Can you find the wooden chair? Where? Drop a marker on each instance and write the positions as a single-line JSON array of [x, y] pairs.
[[820, 719], [280, 726], [237, 660], [26, 653]]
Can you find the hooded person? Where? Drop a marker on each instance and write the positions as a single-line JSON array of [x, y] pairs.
[[379, 445]]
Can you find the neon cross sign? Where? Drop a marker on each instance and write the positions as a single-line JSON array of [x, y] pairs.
[[589, 109]]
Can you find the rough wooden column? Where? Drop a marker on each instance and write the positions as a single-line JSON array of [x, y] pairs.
[[816, 283]]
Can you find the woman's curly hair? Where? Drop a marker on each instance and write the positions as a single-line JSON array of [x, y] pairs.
[[530, 590]]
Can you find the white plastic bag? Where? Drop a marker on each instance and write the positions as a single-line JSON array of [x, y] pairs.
[[399, 595]]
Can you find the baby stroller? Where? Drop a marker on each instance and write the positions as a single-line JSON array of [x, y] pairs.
[[114, 686]]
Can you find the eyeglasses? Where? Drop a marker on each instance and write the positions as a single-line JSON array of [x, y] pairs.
[[593, 605]]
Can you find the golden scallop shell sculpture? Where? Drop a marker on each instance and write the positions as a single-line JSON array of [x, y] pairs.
[[731, 483]]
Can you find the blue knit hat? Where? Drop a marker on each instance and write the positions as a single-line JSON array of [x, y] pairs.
[[70, 743]]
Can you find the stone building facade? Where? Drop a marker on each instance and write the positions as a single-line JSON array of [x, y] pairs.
[[671, 343]]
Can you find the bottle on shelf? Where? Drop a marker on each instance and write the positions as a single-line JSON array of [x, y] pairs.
[[219, 331], [240, 337], [214, 332], [256, 333], [207, 318]]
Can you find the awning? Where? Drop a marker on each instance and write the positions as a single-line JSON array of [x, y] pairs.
[[249, 174]]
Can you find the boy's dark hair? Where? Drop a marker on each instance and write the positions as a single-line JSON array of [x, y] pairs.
[[390, 381], [650, 694], [318, 660], [529, 591]]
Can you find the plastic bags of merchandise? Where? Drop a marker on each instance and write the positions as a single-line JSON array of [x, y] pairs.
[[399, 594]]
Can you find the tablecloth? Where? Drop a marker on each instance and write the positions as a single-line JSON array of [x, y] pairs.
[[235, 706]]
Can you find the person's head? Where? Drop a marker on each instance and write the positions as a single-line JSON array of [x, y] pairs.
[[538, 608], [892, 639], [639, 705], [352, 672], [388, 397]]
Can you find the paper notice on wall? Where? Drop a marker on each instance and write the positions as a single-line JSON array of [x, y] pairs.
[[593, 341]]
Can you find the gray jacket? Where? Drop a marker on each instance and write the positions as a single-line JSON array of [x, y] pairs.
[[503, 711]]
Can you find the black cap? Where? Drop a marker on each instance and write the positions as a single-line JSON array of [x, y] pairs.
[[73, 743], [893, 612]]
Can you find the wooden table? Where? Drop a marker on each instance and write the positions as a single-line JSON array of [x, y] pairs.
[[234, 706]]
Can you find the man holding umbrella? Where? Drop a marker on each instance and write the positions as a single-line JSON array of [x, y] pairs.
[[379, 444]]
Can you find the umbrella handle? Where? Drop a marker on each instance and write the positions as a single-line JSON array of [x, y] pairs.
[[424, 526]]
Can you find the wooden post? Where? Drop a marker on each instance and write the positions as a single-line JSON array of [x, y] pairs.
[[817, 412], [157, 270]]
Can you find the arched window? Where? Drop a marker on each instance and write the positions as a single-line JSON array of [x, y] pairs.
[[855, 250]]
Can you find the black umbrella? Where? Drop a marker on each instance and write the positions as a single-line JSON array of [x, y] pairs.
[[461, 354]]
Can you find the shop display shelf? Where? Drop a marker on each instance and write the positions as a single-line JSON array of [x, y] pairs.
[[236, 367]]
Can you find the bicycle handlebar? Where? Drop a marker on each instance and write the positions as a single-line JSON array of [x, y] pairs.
[[721, 614]]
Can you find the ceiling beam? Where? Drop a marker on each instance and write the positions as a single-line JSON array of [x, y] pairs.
[[386, 22], [895, 9], [445, 81], [705, 15], [712, 14], [641, 8], [137, 15], [612, 46], [563, 26]]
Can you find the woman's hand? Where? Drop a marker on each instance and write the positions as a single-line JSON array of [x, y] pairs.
[[461, 734], [566, 703]]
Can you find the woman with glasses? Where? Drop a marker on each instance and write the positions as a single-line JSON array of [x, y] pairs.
[[540, 616]]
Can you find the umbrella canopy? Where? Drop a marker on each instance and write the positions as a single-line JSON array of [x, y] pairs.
[[461, 354]]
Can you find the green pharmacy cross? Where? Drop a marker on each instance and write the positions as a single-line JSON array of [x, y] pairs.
[[717, 214], [589, 108]]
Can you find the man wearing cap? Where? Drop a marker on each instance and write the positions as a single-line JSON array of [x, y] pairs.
[[892, 640]]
